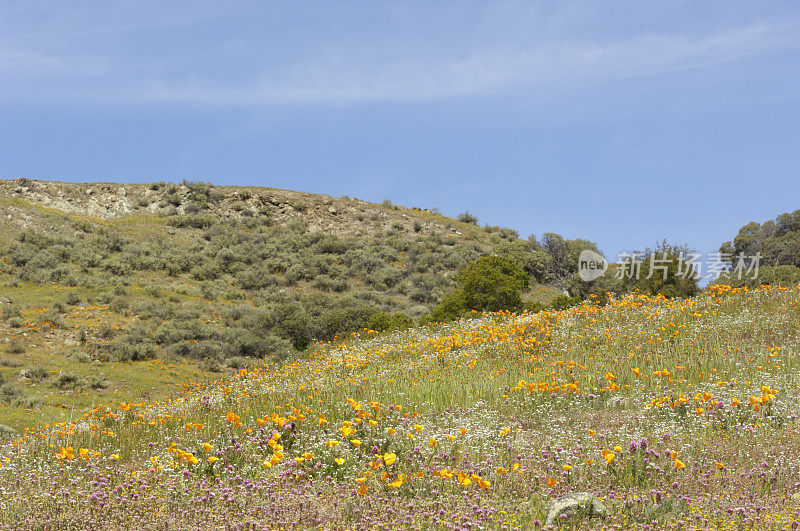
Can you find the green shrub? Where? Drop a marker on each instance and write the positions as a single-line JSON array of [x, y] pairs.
[[153, 292], [492, 283], [192, 221], [212, 365], [208, 270], [238, 362], [255, 279], [533, 307], [117, 266], [73, 299], [199, 349], [38, 240], [562, 302], [201, 192], [106, 331], [382, 322], [133, 345], [466, 217], [105, 298], [119, 304], [338, 322], [297, 272], [326, 283], [330, 244], [782, 275], [254, 345], [174, 331], [15, 347], [37, 374], [51, 317], [81, 357], [384, 278], [82, 225], [124, 352], [453, 306], [9, 392], [16, 397], [10, 312], [98, 382], [67, 380], [661, 265], [173, 199]]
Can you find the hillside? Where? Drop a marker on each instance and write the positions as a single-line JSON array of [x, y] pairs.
[[133, 290], [675, 413]]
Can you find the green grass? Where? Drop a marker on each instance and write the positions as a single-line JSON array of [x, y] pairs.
[[58, 350], [537, 392]]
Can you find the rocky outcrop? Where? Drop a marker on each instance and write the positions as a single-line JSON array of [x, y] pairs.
[[574, 508]]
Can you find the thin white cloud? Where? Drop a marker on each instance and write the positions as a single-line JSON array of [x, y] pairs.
[[346, 75], [29, 63], [545, 68]]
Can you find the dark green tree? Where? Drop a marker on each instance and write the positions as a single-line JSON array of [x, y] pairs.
[[666, 270], [777, 245], [451, 307], [490, 283]]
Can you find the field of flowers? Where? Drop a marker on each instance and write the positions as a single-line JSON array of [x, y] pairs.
[[677, 414]]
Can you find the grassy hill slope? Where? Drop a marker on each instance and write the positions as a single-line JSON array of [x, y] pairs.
[[129, 291], [676, 413]]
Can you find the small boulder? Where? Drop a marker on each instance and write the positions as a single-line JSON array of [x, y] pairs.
[[7, 432], [618, 402], [575, 507]]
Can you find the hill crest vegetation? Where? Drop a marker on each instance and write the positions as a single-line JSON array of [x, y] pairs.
[[202, 277]]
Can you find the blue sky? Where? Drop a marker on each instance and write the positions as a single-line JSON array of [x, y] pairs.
[[621, 122]]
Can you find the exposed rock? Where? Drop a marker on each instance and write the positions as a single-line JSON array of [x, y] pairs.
[[7, 431], [618, 401], [573, 508], [112, 201]]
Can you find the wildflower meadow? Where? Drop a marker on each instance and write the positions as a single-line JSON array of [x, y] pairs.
[[675, 413]]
